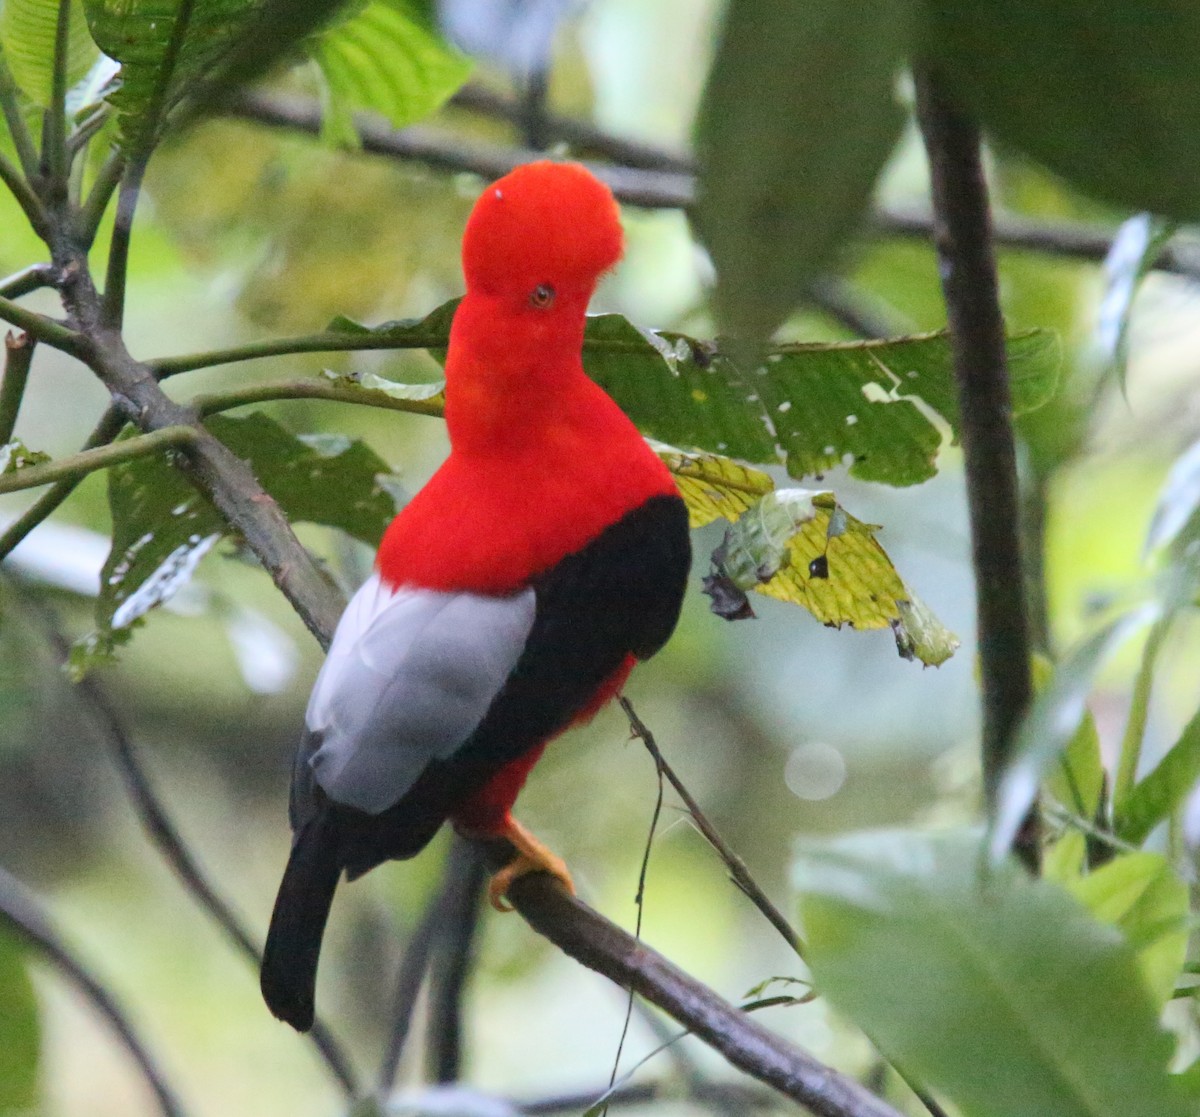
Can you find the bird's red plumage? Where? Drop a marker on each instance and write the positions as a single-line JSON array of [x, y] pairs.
[[541, 458]]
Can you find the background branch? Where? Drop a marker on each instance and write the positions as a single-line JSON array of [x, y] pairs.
[[21, 909], [26, 281], [165, 835], [968, 269]]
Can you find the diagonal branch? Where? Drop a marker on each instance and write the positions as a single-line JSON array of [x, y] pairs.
[[594, 942], [77, 466], [22, 910], [736, 866]]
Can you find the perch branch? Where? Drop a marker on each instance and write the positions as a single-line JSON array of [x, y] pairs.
[[594, 942], [18, 357]]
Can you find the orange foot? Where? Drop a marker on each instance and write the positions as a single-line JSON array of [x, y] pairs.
[[532, 857]]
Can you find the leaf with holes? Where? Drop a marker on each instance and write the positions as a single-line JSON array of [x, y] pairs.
[[713, 487], [162, 527], [881, 407], [801, 546]]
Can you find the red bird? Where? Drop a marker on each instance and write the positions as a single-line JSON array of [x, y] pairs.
[[512, 595]]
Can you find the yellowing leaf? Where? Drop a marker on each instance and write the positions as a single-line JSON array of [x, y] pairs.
[[801, 546], [712, 486]]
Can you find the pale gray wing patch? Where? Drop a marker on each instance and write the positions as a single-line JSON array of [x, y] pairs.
[[409, 676]]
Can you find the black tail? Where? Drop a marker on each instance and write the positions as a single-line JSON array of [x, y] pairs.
[[289, 969]]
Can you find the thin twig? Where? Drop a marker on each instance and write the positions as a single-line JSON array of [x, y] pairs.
[[30, 203], [91, 213], [310, 388], [44, 329], [968, 270], [593, 941], [79, 465], [166, 837], [639, 901], [736, 866], [112, 312], [18, 357], [22, 910], [106, 430], [26, 281], [10, 106], [454, 954], [581, 135], [1139, 713]]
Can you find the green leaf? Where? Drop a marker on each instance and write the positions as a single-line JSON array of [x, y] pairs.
[[997, 991], [801, 546], [28, 31], [20, 1031], [1051, 723], [1142, 896], [385, 60], [1135, 250], [798, 119], [162, 526], [161, 57], [880, 406], [1156, 795], [1104, 94]]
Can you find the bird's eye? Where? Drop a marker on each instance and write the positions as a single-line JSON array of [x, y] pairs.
[[542, 296]]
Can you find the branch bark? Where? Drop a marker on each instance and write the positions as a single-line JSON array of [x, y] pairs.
[[968, 269], [594, 942]]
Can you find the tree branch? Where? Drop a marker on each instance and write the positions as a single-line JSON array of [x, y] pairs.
[[29, 202], [594, 942], [55, 161], [106, 430], [78, 466], [21, 909], [632, 185], [91, 213], [18, 357], [736, 866], [27, 280], [44, 329], [963, 237]]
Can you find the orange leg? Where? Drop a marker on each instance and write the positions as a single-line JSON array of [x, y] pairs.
[[532, 857]]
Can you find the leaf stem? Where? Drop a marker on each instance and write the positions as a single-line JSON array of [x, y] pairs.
[[88, 461], [10, 105], [1139, 714], [106, 430], [311, 388], [44, 329], [18, 350], [91, 213]]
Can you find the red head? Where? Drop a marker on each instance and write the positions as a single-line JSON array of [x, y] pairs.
[[545, 231]]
